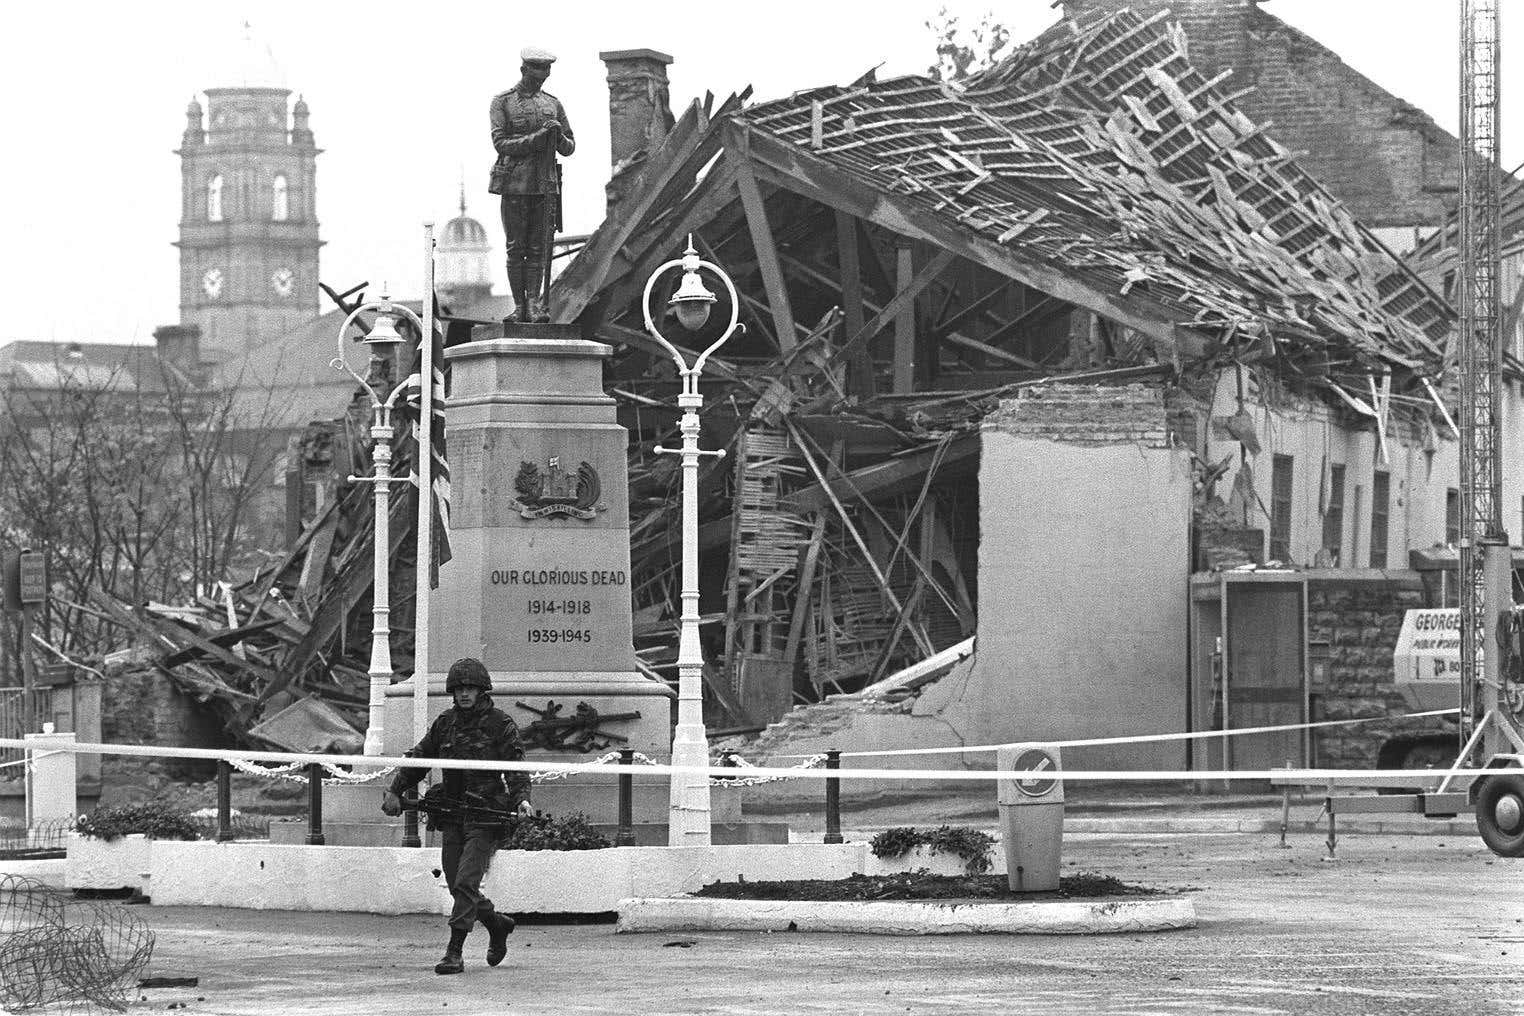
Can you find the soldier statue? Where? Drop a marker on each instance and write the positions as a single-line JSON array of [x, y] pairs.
[[529, 130]]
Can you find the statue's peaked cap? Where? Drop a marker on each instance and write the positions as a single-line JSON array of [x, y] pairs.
[[536, 54]]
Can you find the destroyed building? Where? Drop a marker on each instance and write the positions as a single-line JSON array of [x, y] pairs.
[[1024, 352]]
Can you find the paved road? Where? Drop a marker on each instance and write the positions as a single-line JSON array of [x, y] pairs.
[[1424, 925]]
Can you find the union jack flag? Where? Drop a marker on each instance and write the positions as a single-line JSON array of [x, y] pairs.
[[440, 478]]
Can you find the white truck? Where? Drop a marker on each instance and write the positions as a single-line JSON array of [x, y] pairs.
[[1427, 668]]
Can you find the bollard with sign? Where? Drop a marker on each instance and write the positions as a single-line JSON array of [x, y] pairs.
[[1031, 815]]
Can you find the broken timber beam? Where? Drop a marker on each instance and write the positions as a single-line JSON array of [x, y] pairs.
[[884, 476], [859, 364], [762, 243], [904, 321]]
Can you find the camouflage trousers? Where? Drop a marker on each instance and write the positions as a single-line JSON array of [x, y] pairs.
[[466, 854]]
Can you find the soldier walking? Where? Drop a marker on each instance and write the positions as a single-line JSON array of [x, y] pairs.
[[529, 130], [473, 729]]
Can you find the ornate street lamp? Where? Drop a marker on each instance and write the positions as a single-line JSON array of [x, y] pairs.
[[688, 815], [383, 336]]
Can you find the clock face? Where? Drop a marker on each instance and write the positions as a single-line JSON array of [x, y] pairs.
[[211, 282], [283, 281]]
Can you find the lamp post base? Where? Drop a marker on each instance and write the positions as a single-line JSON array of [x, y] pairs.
[[688, 818]]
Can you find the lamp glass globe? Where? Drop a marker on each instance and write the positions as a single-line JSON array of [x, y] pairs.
[[692, 314]]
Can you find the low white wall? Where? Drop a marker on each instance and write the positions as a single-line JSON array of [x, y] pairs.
[[400, 880], [121, 863]]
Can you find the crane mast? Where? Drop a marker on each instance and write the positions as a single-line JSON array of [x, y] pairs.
[[1485, 560]]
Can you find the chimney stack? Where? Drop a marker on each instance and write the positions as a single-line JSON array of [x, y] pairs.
[[640, 109]]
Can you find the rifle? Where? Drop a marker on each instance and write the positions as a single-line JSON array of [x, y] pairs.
[[470, 807]]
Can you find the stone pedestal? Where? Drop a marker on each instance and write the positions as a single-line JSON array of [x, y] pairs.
[[538, 586]]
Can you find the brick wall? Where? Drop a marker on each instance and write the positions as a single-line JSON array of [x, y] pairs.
[[1358, 619], [1383, 157], [1085, 414]]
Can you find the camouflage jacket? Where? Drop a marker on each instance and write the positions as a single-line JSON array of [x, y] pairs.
[[481, 732], [525, 163]]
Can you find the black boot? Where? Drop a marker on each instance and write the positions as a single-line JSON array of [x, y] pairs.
[[452, 962], [516, 287], [536, 289], [499, 927]]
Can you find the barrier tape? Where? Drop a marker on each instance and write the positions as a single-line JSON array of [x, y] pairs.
[[28, 761], [1350, 776], [1139, 738]]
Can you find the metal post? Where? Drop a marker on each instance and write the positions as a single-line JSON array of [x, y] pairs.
[[688, 822], [1285, 810], [381, 604], [315, 805], [833, 799], [410, 837], [625, 836], [425, 451], [1497, 568], [688, 815], [224, 801], [382, 333]]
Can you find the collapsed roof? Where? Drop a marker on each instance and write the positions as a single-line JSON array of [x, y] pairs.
[[1095, 164]]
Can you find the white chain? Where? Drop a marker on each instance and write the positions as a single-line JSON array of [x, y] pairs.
[[602, 760], [290, 772], [752, 781]]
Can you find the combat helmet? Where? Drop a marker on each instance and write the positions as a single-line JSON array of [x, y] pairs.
[[468, 673]]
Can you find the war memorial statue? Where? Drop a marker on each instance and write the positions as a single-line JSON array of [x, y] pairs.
[[529, 130]]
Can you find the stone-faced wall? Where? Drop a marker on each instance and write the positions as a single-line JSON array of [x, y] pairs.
[[141, 705], [1357, 619]]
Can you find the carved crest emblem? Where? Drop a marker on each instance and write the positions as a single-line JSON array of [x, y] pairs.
[[554, 491]]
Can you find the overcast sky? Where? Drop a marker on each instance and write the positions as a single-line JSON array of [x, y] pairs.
[[95, 95]]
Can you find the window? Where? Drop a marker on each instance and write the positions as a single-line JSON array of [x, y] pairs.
[[1381, 491], [1280, 508], [1333, 515], [214, 199], [280, 200], [1452, 517]]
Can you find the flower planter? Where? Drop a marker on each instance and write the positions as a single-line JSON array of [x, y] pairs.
[[935, 861], [122, 863]]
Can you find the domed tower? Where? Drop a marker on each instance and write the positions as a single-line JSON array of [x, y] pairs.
[[463, 272], [248, 221]]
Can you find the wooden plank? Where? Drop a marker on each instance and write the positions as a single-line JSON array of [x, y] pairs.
[[974, 308], [732, 669], [860, 364], [884, 476], [316, 563], [905, 297], [786, 166], [662, 242], [865, 552], [810, 561], [588, 271], [767, 252], [904, 321], [1043, 309], [991, 351]]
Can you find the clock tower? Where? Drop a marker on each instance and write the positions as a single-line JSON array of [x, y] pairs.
[[248, 223]]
